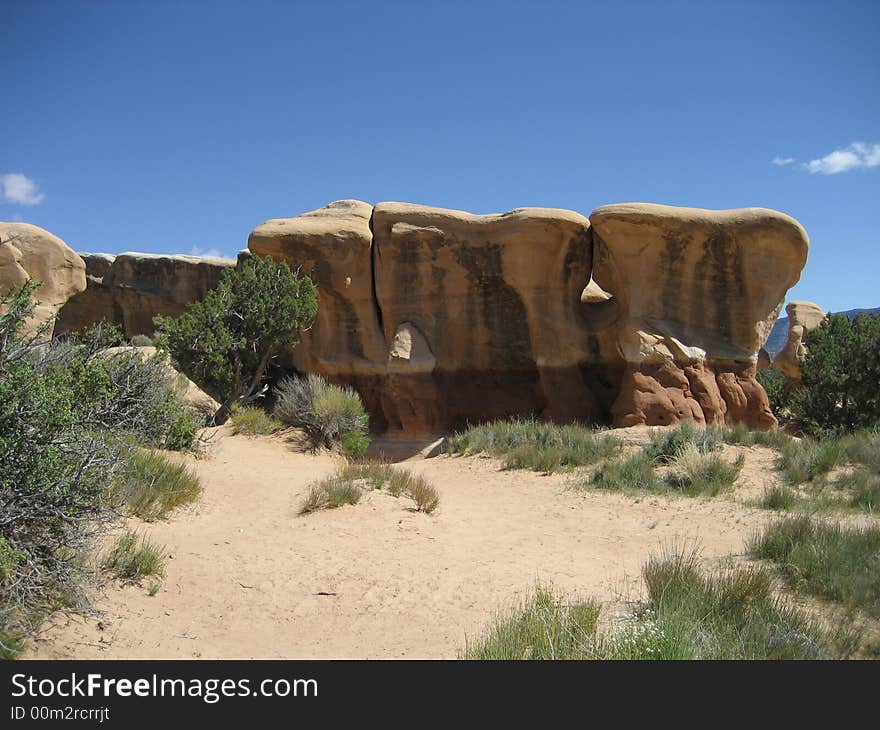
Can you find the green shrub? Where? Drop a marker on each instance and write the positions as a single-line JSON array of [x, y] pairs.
[[133, 559], [151, 485], [823, 559], [863, 447], [634, 472], [525, 443], [225, 341], [181, 434], [774, 383], [141, 341], [695, 472], [326, 412], [864, 490], [64, 406], [838, 389], [665, 445], [355, 443], [546, 626], [254, 421]]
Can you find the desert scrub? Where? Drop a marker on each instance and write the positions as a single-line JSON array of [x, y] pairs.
[[863, 488], [825, 559], [547, 625], [351, 480], [630, 473], [778, 498], [132, 558], [739, 433], [141, 341], [526, 443], [329, 414], [689, 614], [151, 486], [254, 421], [181, 434], [729, 614], [805, 460], [697, 473], [665, 445], [330, 494]]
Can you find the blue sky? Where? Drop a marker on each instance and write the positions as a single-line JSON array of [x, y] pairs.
[[180, 126]]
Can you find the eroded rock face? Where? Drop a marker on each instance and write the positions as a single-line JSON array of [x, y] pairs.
[[440, 317], [30, 252], [802, 317], [497, 300], [130, 289], [696, 291]]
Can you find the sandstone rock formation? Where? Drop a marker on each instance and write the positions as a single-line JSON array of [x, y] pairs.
[[697, 293], [29, 252], [802, 317], [130, 289], [643, 314]]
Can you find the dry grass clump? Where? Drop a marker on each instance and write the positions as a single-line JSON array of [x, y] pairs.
[[631, 473], [778, 498], [739, 433], [133, 559], [526, 443], [695, 472], [353, 479], [329, 494], [807, 459], [665, 445], [254, 421], [151, 485]]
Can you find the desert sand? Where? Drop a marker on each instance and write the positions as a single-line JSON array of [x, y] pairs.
[[248, 577]]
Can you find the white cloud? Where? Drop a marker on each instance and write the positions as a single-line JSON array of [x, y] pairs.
[[20, 189], [213, 253], [857, 155], [782, 161]]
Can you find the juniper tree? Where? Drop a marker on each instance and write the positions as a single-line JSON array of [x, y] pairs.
[[225, 341]]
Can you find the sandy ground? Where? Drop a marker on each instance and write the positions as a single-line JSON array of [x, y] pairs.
[[247, 577]]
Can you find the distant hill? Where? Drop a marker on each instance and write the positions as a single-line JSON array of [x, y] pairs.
[[779, 333]]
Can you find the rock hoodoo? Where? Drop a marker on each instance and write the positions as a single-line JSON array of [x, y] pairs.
[[29, 252], [697, 294], [802, 317], [641, 314]]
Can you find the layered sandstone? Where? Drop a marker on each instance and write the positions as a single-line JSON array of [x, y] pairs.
[[130, 289], [697, 293], [30, 252], [802, 317]]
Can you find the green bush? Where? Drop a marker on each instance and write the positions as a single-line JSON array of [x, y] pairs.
[[65, 406], [224, 343], [131, 559], [326, 412], [838, 390], [254, 421], [181, 434], [141, 341], [829, 560], [355, 443], [774, 383]]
